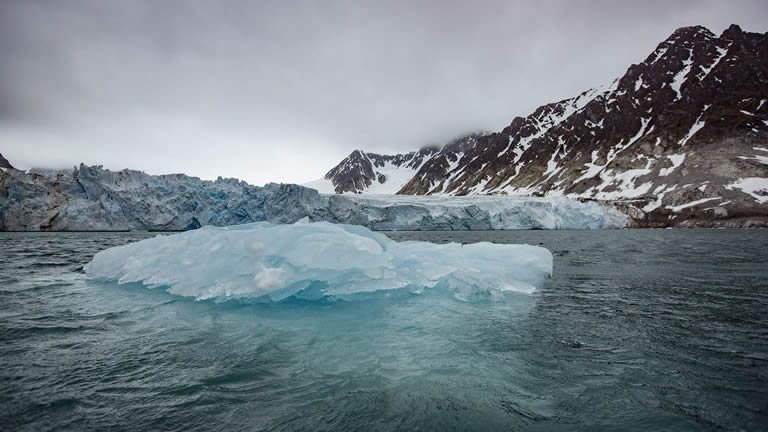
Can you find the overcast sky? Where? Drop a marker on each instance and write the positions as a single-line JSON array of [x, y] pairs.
[[282, 90]]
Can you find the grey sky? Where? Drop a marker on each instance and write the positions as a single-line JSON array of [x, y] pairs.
[[282, 90]]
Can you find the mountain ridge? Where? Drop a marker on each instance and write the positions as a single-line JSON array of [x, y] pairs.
[[4, 163]]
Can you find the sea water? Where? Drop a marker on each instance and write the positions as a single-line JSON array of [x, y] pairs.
[[637, 330]]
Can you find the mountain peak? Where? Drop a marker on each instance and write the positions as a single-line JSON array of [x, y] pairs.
[[732, 30], [692, 31], [4, 163]]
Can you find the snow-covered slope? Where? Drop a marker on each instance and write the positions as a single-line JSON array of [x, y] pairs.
[[680, 139], [389, 175], [92, 198], [324, 186], [372, 173]]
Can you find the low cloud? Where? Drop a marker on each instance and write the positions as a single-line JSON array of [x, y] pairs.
[[281, 90]]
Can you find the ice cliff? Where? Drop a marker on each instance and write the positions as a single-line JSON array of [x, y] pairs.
[[311, 261], [91, 198]]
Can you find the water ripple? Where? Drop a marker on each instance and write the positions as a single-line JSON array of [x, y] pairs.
[[638, 330]]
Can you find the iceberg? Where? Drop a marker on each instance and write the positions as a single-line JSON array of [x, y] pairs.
[[271, 262]]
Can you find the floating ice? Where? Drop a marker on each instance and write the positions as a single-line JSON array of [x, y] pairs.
[[272, 262]]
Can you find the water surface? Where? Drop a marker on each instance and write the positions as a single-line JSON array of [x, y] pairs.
[[637, 330]]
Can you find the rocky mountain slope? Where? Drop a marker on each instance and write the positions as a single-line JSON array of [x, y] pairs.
[[681, 139], [92, 198], [383, 174], [4, 163]]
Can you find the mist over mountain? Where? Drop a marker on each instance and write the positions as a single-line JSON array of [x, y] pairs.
[[680, 139]]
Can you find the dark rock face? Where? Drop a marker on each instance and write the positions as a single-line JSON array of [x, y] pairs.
[[680, 140], [4, 163]]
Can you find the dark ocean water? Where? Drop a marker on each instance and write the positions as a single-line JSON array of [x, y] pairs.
[[637, 330]]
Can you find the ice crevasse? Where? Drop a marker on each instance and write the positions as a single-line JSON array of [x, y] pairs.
[[270, 262]]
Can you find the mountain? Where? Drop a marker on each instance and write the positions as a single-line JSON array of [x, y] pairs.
[[681, 139], [93, 198], [4, 163], [372, 173]]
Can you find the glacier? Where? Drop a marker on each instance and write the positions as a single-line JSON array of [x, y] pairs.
[[484, 212], [262, 261], [91, 198]]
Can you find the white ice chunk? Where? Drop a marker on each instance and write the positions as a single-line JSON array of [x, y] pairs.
[[312, 261]]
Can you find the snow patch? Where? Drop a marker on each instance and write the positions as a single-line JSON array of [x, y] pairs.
[[322, 185], [721, 52], [697, 125], [659, 52], [757, 187], [677, 160], [759, 158], [659, 192], [639, 82], [681, 207], [682, 75], [395, 177], [624, 182], [593, 169]]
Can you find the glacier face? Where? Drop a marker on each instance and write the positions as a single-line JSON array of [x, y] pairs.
[[92, 198], [271, 262], [482, 212]]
